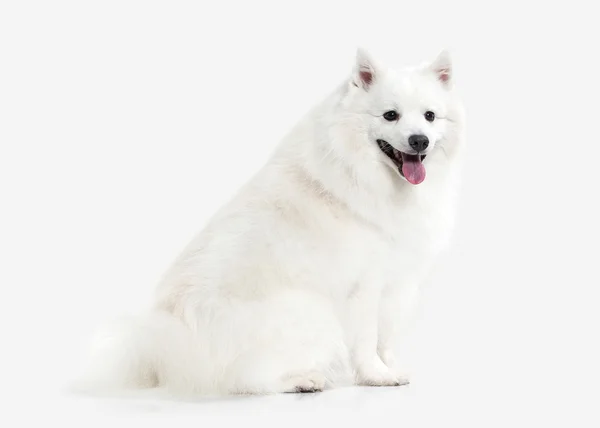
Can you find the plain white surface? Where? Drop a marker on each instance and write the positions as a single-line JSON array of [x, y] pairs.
[[124, 125]]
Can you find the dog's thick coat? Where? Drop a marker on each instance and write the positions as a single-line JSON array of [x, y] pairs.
[[303, 280]]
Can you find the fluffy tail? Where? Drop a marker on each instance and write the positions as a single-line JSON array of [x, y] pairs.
[[137, 353]]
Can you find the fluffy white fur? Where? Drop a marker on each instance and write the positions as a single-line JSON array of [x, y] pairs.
[[304, 279]]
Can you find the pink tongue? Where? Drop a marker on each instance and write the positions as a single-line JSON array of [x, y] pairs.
[[413, 168]]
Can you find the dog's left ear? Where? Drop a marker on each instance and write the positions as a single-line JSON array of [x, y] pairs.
[[442, 67]]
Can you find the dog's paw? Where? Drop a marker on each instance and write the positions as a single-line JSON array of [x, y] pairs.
[[311, 382], [400, 376], [390, 361], [376, 373]]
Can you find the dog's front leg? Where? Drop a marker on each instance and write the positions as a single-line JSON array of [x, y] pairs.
[[396, 312], [362, 326]]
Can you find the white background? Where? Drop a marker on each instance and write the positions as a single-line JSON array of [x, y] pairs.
[[124, 125]]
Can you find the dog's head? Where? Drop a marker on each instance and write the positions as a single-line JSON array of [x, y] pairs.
[[405, 114]]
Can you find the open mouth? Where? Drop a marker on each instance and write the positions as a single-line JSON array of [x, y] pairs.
[[410, 166]]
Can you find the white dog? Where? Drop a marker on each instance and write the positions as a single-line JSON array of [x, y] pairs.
[[303, 280]]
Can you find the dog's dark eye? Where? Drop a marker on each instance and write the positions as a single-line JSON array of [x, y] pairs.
[[429, 116], [390, 115]]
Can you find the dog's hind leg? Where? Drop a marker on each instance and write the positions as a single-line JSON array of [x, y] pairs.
[[297, 345]]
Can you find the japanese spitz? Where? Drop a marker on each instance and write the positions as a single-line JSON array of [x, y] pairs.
[[305, 278]]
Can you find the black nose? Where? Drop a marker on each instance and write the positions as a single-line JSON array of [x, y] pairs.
[[418, 142]]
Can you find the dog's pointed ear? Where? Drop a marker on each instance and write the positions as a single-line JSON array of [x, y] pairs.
[[365, 70], [442, 67]]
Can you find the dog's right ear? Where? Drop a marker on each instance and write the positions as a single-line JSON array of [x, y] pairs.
[[442, 68], [365, 72]]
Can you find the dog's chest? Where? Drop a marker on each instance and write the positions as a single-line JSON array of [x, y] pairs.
[[413, 231], [345, 250], [337, 245], [423, 226]]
